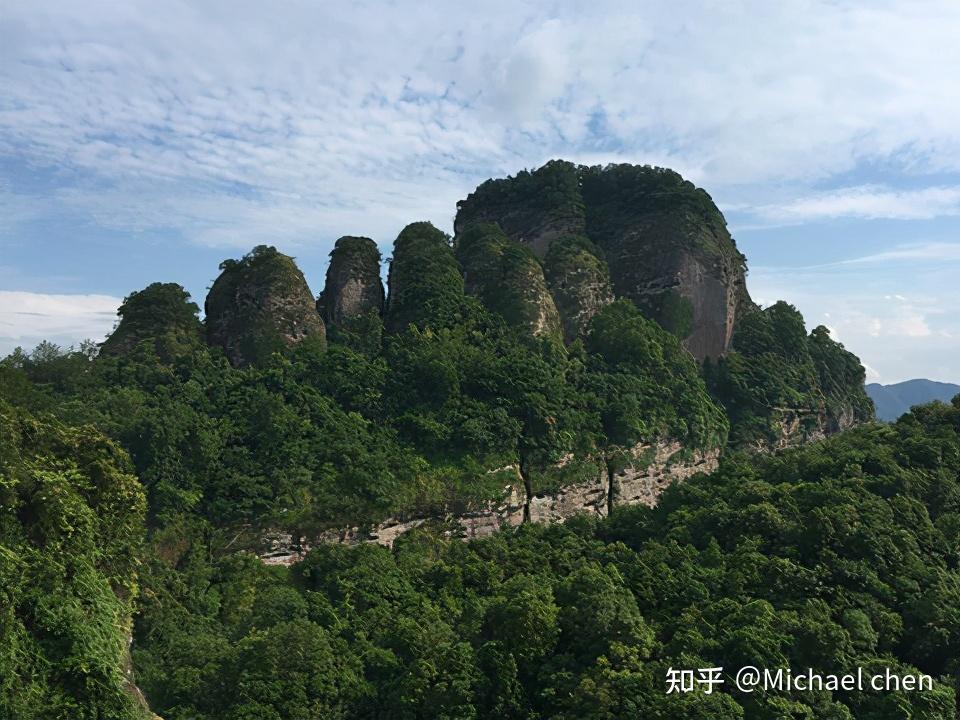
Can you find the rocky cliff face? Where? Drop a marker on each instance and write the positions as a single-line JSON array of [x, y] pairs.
[[353, 284], [426, 287], [507, 278], [261, 304], [161, 313], [669, 251], [579, 281], [533, 208], [665, 241], [640, 482]]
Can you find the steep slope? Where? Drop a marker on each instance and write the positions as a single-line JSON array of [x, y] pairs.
[[71, 524], [579, 280], [894, 400], [353, 284], [425, 284], [261, 304], [666, 243], [534, 208], [669, 251], [161, 313], [781, 386], [507, 278]]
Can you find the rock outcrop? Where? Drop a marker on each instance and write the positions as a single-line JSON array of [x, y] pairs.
[[580, 282], [425, 284], [507, 278], [353, 284], [665, 241], [161, 313], [261, 304], [640, 482], [534, 208]]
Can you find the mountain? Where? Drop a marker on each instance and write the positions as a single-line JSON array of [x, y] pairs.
[[894, 400]]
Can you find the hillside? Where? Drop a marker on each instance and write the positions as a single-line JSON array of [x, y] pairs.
[[583, 343], [894, 400]]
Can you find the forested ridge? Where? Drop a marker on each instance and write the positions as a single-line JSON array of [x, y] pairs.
[[512, 354]]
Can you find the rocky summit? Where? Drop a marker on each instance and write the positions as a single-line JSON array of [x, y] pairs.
[[261, 304], [353, 284], [664, 240]]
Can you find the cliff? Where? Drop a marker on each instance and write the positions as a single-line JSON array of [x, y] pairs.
[[782, 386], [425, 284], [507, 278], [162, 314], [579, 279], [353, 285], [261, 304], [665, 241]]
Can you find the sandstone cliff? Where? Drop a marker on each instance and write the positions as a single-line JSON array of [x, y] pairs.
[[666, 243], [161, 313], [353, 284], [507, 278], [261, 304], [579, 280]]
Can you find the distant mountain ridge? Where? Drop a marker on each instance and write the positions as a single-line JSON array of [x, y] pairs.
[[894, 400]]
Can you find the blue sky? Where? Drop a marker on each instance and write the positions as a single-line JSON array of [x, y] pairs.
[[149, 141]]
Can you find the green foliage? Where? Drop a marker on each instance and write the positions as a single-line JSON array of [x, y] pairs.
[[71, 522], [161, 313], [426, 287], [507, 278], [837, 555], [780, 384], [579, 280], [259, 306]]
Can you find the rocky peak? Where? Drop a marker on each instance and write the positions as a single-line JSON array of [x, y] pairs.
[[353, 284], [261, 304], [162, 313], [533, 208], [579, 281], [665, 241], [426, 287], [507, 278]]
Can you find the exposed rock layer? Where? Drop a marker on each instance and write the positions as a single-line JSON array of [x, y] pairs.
[[507, 278], [353, 284], [259, 305], [665, 241], [641, 482]]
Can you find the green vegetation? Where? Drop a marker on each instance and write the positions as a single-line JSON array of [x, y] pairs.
[[507, 278], [579, 280], [780, 384], [71, 524], [260, 305], [162, 314], [426, 287], [837, 555]]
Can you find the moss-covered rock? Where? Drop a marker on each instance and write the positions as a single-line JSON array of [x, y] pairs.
[[161, 313], [669, 251], [259, 305], [579, 281], [534, 208], [666, 242], [353, 285], [507, 278], [426, 287]]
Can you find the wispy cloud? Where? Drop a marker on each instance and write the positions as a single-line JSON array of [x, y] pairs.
[[865, 201], [26, 318]]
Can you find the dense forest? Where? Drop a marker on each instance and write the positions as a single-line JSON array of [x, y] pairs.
[[138, 480]]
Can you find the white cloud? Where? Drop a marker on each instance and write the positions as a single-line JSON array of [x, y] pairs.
[[866, 201], [26, 318], [353, 111]]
